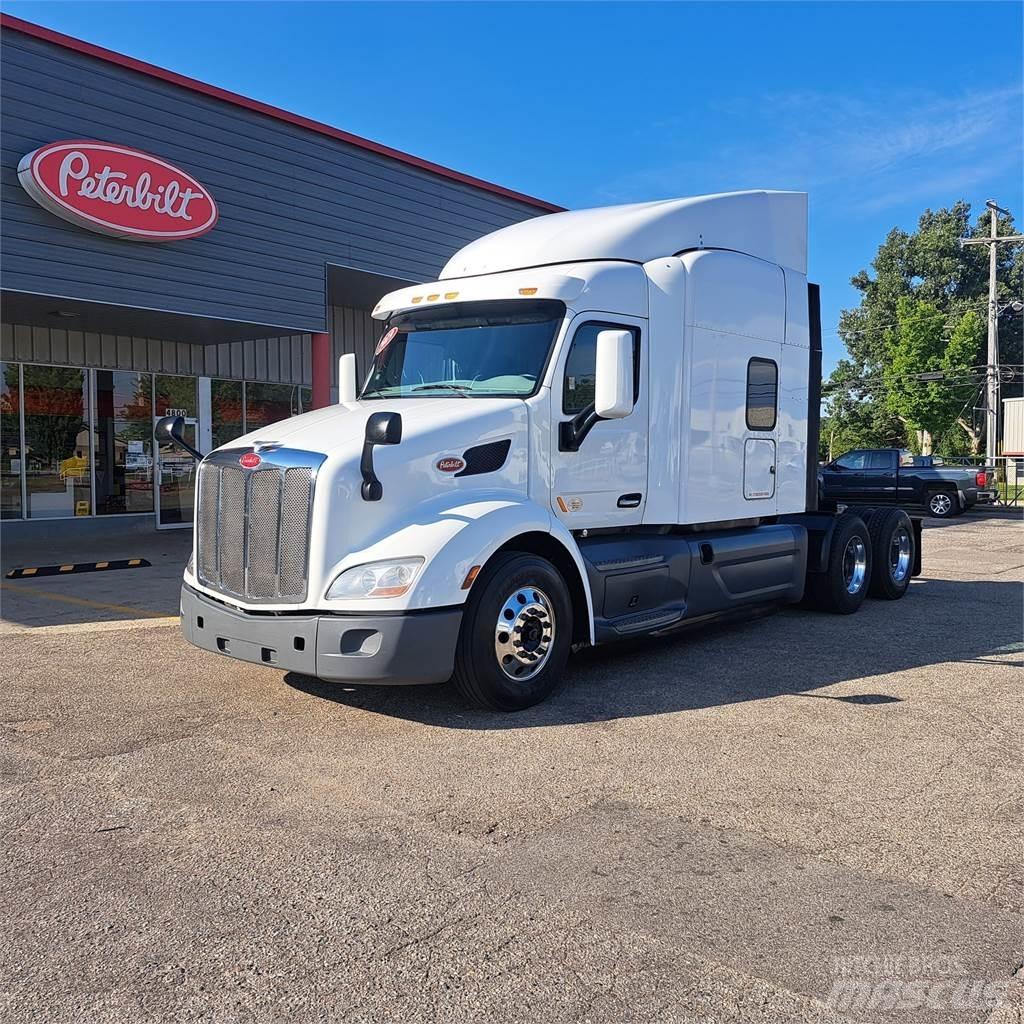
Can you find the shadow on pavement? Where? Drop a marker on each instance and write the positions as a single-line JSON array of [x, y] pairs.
[[793, 652]]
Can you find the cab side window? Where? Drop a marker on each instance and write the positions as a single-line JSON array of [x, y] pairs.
[[762, 394], [881, 460], [581, 363], [852, 460]]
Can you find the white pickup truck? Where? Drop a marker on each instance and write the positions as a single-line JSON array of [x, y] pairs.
[[595, 425]]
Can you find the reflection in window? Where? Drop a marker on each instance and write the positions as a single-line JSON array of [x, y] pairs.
[[762, 394], [226, 410], [56, 442], [580, 366], [10, 442], [123, 442], [271, 403], [177, 396]]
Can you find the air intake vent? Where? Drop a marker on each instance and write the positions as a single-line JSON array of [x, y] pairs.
[[485, 458]]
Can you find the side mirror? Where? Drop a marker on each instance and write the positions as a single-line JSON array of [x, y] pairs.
[[613, 377], [381, 428], [384, 428], [171, 430], [347, 386]]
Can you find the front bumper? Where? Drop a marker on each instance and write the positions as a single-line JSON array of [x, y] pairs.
[[404, 647]]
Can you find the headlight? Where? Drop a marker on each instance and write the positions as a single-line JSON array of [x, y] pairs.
[[376, 579]]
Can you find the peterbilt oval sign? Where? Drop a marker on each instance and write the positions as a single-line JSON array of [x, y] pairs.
[[450, 464], [250, 460], [118, 191]]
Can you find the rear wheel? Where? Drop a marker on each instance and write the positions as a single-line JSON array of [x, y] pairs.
[[842, 587], [943, 504], [516, 633], [892, 542]]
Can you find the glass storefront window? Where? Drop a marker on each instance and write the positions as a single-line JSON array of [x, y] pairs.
[[123, 442], [176, 396], [56, 442], [226, 411], [10, 442], [270, 403]]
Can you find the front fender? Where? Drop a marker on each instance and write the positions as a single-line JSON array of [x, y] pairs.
[[453, 536]]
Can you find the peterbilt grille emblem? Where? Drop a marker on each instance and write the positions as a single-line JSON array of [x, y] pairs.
[[451, 464], [250, 460]]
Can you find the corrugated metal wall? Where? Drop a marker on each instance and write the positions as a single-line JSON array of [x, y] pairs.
[[285, 359], [290, 200]]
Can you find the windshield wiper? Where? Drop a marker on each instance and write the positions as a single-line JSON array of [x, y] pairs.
[[444, 387]]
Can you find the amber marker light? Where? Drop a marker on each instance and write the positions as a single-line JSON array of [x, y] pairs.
[[471, 577], [527, 291]]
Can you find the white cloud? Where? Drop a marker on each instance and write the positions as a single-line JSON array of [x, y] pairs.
[[876, 151]]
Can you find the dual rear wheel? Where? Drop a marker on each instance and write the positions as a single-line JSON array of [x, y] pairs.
[[870, 555]]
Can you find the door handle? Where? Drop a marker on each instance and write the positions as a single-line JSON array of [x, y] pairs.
[[629, 500]]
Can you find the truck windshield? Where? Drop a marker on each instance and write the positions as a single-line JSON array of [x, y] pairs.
[[474, 349]]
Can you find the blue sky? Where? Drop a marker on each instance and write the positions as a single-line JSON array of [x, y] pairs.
[[877, 110]]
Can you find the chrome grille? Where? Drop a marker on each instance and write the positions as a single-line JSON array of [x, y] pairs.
[[253, 525]]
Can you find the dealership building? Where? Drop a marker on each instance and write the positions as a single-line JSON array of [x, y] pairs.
[[170, 247]]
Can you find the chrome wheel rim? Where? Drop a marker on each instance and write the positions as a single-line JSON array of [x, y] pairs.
[[899, 555], [941, 504], [524, 634], [855, 564]]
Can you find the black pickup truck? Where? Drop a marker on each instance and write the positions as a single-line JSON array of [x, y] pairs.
[[893, 476]]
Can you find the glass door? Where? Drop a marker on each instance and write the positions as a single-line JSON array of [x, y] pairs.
[[175, 469]]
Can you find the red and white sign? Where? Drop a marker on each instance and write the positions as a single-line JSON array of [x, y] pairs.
[[250, 460], [117, 191], [450, 464]]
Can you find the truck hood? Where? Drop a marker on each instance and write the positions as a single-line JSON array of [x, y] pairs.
[[433, 469], [334, 429]]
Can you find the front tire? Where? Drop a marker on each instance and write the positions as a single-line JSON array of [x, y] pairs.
[[843, 586], [516, 633]]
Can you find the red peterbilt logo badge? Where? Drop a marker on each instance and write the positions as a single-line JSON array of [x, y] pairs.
[[118, 191], [450, 464], [250, 460]]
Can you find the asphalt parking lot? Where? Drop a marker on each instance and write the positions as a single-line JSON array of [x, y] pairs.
[[715, 828]]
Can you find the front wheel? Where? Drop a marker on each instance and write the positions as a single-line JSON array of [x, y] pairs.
[[516, 633]]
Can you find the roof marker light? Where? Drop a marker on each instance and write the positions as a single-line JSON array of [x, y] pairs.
[[417, 298], [527, 291], [451, 295], [434, 297]]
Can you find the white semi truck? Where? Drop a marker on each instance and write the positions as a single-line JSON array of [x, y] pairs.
[[595, 425]]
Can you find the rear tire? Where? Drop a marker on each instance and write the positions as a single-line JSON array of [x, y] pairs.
[[843, 586], [509, 670], [893, 548], [944, 504]]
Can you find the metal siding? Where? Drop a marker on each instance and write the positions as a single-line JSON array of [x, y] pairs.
[[290, 200]]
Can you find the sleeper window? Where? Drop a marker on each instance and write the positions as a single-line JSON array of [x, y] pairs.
[[762, 394]]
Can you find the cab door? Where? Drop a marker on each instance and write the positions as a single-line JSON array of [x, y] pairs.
[[602, 481]]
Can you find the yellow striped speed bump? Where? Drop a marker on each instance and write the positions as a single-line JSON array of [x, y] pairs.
[[34, 571]]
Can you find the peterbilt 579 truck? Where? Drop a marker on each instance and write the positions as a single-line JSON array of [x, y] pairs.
[[596, 425]]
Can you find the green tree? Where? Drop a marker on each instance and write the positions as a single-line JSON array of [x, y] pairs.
[[920, 343], [927, 265]]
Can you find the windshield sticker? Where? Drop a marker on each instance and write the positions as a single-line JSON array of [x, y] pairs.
[[385, 341]]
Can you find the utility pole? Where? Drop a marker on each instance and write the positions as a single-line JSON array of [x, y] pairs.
[[992, 363]]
